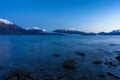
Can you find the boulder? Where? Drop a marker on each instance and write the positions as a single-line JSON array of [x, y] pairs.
[[118, 58], [18, 74], [70, 64]]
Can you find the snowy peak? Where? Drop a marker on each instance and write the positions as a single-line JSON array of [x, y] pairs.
[[71, 29], [33, 28], [5, 21], [36, 28]]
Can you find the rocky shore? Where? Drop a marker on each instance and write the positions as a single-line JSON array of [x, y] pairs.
[[69, 66]]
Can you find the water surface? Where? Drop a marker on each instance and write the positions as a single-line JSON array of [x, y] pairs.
[[36, 52]]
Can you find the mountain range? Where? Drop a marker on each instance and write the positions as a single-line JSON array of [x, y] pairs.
[[67, 31], [9, 28]]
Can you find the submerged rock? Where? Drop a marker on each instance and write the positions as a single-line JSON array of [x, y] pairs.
[[117, 51], [113, 44], [56, 55], [118, 58], [61, 76], [100, 49], [112, 75], [102, 75], [70, 64], [18, 74], [111, 63], [55, 76], [97, 62], [1, 67], [50, 76], [85, 77], [80, 53]]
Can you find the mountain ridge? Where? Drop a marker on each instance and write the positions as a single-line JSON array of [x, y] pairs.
[[7, 28]]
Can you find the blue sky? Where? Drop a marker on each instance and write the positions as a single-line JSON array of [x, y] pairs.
[[85, 15]]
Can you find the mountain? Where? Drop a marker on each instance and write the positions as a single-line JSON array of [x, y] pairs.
[[114, 32], [34, 30], [38, 31], [68, 31], [102, 33], [71, 31], [7, 27]]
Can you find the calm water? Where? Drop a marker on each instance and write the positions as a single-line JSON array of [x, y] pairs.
[[37, 52]]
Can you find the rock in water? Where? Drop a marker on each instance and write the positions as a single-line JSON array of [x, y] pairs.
[[70, 64], [118, 58], [50, 76], [112, 75], [56, 55], [1, 67], [102, 75], [18, 74], [80, 53], [97, 62]]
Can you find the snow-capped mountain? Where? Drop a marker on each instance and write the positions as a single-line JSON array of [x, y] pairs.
[[5, 21], [7, 27], [34, 30]]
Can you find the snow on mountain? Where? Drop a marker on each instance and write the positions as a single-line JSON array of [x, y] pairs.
[[35, 28], [5, 21], [70, 29]]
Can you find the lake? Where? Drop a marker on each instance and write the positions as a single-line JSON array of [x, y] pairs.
[[46, 54]]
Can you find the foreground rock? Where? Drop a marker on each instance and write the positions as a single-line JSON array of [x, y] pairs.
[[18, 74], [70, 64]]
